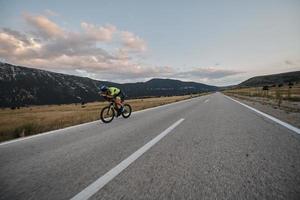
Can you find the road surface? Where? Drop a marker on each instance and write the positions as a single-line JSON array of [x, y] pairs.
[[204, 148]]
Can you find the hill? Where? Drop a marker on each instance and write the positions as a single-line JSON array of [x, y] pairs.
[[274, 79], [21, 86]]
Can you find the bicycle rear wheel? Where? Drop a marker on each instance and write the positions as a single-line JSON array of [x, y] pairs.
[[127, 111], [107, 114]]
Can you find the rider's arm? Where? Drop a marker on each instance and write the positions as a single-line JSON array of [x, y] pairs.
[[105, 96], [108, 94]]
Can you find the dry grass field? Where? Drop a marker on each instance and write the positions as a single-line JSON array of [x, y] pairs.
[[36, 119], [280, 102], [286, 97], [285, 92]]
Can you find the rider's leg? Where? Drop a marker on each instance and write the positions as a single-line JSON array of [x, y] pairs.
[[119, 104], [122, 96]]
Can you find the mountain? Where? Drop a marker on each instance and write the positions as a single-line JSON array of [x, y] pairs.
[[165, 87], [21, 86], [274, 79]]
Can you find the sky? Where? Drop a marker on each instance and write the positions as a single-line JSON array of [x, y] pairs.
[[217, 42]]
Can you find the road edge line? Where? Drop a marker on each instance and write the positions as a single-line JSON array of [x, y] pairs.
[[88, 123], [94, 187], [47, 133], [286, 125]]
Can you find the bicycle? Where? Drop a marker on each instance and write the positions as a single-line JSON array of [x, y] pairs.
[[109, 112]]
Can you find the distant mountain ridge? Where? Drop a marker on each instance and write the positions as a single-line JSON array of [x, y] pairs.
[[21, 86], [273, 79]]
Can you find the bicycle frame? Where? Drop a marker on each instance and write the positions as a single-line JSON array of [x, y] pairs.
[[112, 105], [107, 116]]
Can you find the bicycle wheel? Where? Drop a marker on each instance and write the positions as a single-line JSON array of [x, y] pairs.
[[127, 111], [107, 114]]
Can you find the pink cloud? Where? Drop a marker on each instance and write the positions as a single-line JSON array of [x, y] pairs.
[[44, 26], [133, 42], [55, 48], [100, 33], [15, 45]]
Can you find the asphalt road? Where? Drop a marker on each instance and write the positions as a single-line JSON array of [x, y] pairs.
[[221, 150]]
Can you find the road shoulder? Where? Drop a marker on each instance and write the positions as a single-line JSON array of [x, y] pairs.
[[290, 116]]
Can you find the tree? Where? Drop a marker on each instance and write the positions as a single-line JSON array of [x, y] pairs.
[[265, 90], [289, 90], [265, 87]]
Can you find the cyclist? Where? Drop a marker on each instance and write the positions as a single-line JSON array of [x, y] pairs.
[[113, 94]]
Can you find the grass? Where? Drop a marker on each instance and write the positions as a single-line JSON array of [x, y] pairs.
[[284, 92], [36, 119]]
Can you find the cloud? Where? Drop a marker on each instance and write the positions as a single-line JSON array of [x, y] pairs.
[[132, 42], [14, 45], [44, 27], [55, 48], [17, 35], [139, 71], [52, 47], [99, 33], [293, 62], [207, 73]]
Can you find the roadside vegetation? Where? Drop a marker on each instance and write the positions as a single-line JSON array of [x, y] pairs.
[[276, 93], [281, 101], [15, 123]]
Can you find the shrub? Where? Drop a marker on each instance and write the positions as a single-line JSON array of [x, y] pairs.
[[26, 129], [279, 97], [265, 87]]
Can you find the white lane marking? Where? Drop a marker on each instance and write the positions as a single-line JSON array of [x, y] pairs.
[[89, 123], [103, 180], [207, 100], [295, 129], [167, 105]]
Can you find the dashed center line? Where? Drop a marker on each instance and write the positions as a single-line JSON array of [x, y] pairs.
[[103, 180]]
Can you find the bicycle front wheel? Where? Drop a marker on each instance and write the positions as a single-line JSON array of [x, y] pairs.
[[107, 114], [127, 111]]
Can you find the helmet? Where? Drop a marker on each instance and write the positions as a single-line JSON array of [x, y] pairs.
[[103, 88]]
